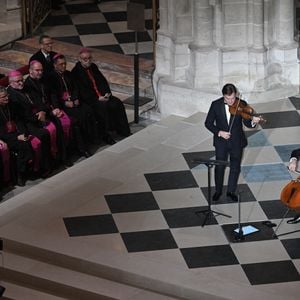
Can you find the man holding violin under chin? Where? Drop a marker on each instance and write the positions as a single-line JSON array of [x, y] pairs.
[[225, 120]]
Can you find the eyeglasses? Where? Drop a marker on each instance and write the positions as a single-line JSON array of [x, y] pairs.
[[18, 81], [86, 58]]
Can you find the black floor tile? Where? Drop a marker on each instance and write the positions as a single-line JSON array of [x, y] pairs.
[[275, 209], [295, 100], [292, 246], [129, 37], [117, 16], [193, 158], [98, 28], [147, 3], [131, 202], [57, 20], [271, 272], [243, 189], [264, 232], [171, 180], [187, 217], [70, 39], [112, 48], [149, 240], [82, 8], [90, 225], [281, 119], [209, 256], [149, 24]]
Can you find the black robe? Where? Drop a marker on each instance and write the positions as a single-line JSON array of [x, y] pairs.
[[111, 113], [39, 94], [21, 151], [26, 110], [83, 121]]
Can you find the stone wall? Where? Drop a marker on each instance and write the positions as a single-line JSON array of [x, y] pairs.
[[10, 21], [203, 44]]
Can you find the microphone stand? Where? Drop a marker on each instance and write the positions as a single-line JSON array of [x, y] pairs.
[[208, 212], [239, 236]]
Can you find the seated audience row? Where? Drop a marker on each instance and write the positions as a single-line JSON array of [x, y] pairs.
[[54, 112]]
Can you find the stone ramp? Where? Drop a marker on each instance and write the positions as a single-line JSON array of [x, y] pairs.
[[32, 273]]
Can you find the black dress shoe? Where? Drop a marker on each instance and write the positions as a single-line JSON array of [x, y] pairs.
[[86, 154], [20, 180], [232, 196], [109, 140], [67, 163], [216, 196], [294, 220]]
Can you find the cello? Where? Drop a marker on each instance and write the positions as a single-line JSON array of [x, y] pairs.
[[290, 195]]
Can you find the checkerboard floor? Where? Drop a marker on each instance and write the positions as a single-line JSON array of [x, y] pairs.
[[100, 25], [141, 201]]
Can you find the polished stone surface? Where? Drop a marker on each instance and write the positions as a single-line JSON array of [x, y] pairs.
[[129, 209]]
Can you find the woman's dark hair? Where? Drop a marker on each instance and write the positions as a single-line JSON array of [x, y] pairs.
[[228, 89]]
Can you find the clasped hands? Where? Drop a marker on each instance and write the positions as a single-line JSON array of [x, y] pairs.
[[105, 97], [224, 134]]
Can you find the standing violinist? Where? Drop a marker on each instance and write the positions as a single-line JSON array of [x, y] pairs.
[[295, 156], [229, 137]]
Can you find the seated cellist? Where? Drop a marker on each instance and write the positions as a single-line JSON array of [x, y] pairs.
[[293, 164]]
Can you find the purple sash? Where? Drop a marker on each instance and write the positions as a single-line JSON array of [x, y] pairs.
[[66, 125], [10, 126], [36, 146], [52, 131]]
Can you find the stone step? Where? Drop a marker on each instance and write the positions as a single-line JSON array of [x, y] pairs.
[[16, 292], [119, 82], [36, 277], [105, 59]]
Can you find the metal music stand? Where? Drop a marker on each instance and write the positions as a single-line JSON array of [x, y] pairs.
[[208, 212]]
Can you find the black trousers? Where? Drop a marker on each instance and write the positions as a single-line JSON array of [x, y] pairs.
[[235, 157]]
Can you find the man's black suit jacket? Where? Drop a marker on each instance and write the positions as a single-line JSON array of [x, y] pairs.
[[47, 66], [296, 153], [216, 120]]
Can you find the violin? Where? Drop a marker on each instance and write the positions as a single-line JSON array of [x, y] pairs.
[[244, 110], [290, 194]]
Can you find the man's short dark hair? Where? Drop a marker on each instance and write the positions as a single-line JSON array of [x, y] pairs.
[[228, 89], [42, 37]]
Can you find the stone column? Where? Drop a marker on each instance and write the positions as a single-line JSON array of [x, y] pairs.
[[284, 22], [205, 66], [165, 38], [202, 23], [258, 24]]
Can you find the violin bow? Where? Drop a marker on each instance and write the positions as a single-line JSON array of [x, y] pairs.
[[232, 120]]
